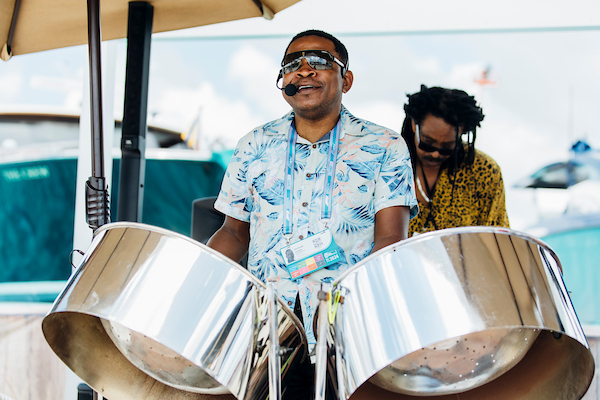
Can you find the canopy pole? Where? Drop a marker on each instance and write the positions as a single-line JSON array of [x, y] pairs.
[[6, 52], [267, 13], [132, 171], [96, 188]]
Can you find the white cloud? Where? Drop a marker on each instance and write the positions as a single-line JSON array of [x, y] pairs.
[[54, 83], [257, 71], [595, 63], [11, 83], [221, 119], [427, 65], [71, 87], [224, 119], [383, 113]]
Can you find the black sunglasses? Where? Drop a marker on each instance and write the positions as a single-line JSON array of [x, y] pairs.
[[317, 59], [432, 149]]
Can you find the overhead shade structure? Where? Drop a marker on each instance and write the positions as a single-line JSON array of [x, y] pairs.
[[43, 25], [33, 26]]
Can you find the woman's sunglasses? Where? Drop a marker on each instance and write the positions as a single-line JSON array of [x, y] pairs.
[[317, 59], [432, 149]]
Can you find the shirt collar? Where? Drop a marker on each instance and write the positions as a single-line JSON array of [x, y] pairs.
[[349, 125]]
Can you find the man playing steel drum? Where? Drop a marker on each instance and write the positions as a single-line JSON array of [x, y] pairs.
[[319, 184], [457, 184]]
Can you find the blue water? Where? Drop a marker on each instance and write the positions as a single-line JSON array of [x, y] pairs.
[[578, 252]]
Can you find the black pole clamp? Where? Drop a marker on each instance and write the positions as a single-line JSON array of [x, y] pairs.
[[96, 200]]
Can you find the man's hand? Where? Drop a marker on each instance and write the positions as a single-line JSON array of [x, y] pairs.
[[232, 239], [391, 226]]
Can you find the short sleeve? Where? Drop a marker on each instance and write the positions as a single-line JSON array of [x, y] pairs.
[[395, 183], [234, 198]]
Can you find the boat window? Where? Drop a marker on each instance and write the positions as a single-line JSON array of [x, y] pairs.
[[554, 176], [582, 172], [22, 131]]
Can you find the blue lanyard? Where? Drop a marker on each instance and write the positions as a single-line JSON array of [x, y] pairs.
[[289, 179]]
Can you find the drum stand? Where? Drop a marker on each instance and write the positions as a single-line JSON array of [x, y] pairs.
[[325, 318], [274, 350], [324, 297], [321, 365]]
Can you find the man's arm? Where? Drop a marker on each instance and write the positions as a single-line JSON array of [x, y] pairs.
[[391, 226], [232, 239]]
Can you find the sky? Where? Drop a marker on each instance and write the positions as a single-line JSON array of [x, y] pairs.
[[542, 55]]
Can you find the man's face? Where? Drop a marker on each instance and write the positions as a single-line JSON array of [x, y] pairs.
[[319, 91], [438, 133]]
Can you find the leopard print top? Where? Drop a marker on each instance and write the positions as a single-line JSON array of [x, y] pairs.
[[478, 198]]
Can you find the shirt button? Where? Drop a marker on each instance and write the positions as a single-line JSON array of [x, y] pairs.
[[289, 303], [308, 174], [304, 204], [301, 237], [314, 146]]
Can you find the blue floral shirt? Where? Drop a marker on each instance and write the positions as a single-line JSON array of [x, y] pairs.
[[373, 172]]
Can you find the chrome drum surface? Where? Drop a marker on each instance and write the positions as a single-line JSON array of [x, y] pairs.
[[461, 311], [152, 314]]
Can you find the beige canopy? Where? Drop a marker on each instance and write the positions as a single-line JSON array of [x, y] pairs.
[[49, 24]]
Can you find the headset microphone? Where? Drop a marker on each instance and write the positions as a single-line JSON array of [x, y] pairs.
[[290, 89]]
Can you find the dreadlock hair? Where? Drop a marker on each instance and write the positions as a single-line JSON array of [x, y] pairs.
[[339, 46], [455, 107]]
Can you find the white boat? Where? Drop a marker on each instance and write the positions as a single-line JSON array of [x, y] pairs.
[[569, 186]]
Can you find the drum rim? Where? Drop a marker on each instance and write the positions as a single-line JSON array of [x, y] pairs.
[[166, 232], [446, 232]]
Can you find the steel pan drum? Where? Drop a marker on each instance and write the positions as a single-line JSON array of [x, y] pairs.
[[462, 313], [153, 314]]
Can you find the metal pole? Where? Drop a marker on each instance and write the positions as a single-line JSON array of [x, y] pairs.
[[95, 39], [339, 348], [323, 324], [6, 52], [274, 350], [133, 141], [96, 189]]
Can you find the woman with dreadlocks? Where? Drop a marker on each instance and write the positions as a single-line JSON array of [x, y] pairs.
[[457, 185]]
